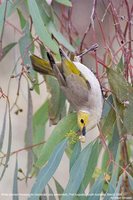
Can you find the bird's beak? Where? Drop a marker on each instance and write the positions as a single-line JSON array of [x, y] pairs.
[[83, 130]]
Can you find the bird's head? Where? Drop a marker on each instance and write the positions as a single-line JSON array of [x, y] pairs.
[[83, 121]]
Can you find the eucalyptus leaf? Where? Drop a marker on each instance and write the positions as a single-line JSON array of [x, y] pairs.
[[91, 166], [119, 184], [3, 130], [61, 39], [3, 7], [15, 182], [40, 28], [45, 11], [59, 188], [29, 130], [113, 148], [43, 196], [105, 159], [120, 66], [21, 18], [56, 101], [65, 2], [58, 134], [7, 48], [9, 142], [48, 170], [109, 122], [130, 179], [107, 106], [128, 114], [29, 133], [51, 193], [114, 176], [26, 45], [77, 173], [96, 189], [13, 5], [40, 119], [118, 84], [75, 154], [115, 140]]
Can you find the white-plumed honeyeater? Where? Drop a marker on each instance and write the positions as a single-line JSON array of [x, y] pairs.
[[80, 86]]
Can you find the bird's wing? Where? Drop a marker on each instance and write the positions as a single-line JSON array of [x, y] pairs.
[[78, 88], [69, 70]]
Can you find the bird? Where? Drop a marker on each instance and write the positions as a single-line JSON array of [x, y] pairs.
[[80, 86]]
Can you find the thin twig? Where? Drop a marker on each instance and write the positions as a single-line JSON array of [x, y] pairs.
[[23, 149], [102, 138], [93, 13], [105, 13], [14, 27]]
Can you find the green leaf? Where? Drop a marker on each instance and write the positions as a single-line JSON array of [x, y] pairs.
[[119, 184], [77, 173], [115, 140], [113, 148], [105, 159], [15, 182], [51, 193], [40, 119], [2, 13], [29, 133], [22, 19], [9, 141], [56, 101], [3, 130], [114, 175], [29, 129], [130, 179], [75, 154], [13, 5], [109, 121], [107, 106], [77, 42], [43, 196], [118, 84], [58, 134], [59, 188], [47, 172], [128, 114], [65, 2], [36, 83], [120, 66], [25, 46], [40, 28], [45, 11], [61, 39], [96, 189], [7, 48], [91, 166]]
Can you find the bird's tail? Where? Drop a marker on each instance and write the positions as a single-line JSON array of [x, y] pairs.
[[40, 65], [66, 66]]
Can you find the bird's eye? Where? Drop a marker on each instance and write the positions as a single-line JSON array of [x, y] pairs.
[[82, 121]]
